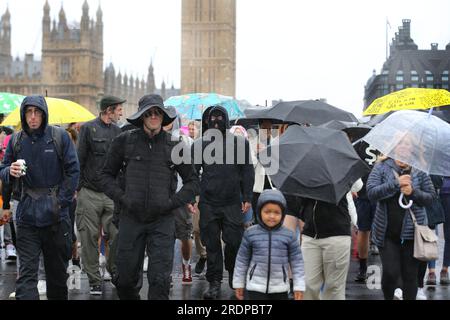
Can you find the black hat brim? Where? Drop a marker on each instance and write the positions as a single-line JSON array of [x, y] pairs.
[[169, 115]]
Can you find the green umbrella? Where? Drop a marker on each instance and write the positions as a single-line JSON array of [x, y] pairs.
[[9, 102]]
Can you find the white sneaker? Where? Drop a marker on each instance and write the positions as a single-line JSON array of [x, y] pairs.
[[106, 276], [12, 296], [145, 264], [102, 260], [11, 252], [398, 294], [42, 287], [421, 294]]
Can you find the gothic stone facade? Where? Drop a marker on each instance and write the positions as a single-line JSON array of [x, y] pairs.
[[71, 66]]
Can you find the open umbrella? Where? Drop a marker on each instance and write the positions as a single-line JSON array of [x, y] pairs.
[[416, 138], [305, 112], [9, 102], [191, 106], [409, 99], [315, 163], [60, 112], [354, 129]]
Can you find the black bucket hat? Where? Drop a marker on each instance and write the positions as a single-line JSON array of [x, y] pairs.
[[146, 103]]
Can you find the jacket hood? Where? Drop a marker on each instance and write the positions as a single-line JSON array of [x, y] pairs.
[[274, 196], [38, 102], [205, 119]]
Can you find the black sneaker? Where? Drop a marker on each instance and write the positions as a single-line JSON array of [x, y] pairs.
[[213, 291], [361, 277], [200, 266], [96, 290]]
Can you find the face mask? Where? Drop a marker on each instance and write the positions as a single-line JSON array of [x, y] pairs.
[[221, 125]]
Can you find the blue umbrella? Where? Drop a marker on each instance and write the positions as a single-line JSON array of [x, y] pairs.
[[191, 106]]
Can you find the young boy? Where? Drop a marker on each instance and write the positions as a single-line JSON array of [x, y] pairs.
[[267, 252]]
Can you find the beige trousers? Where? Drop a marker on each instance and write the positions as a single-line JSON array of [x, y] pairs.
[[326, 265]]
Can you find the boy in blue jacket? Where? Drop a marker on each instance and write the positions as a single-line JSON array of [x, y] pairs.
[[267, 252]]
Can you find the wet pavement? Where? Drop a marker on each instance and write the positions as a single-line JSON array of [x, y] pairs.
[[355, 291]]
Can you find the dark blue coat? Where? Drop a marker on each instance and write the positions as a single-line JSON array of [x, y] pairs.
[[383, 185], [44, 170]]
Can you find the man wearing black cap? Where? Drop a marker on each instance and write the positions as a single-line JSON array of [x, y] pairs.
[[94, 208], [147, 222]]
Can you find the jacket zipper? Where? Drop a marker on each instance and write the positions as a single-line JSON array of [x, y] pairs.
[[314, 221], [270, 257], [253, 271]]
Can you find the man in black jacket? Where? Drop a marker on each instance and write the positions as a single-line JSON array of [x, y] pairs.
[[226, 194], [146, 222], [94, 209]]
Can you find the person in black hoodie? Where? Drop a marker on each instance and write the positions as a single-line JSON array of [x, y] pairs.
[[224, 179]]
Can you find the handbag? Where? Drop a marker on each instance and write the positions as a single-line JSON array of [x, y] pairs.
[[425, 242]]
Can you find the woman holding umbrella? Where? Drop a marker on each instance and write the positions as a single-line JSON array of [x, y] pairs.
[[393, 227]]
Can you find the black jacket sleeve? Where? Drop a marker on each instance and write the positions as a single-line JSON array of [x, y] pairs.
[[114, 163], [83, 151]]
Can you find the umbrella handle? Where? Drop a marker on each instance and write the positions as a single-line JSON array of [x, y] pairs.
[[404, 206]]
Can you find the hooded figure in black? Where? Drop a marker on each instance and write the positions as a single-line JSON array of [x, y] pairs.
[[226, 189], [48, 187]]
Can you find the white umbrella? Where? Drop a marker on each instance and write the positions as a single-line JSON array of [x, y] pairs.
[[416, 138]]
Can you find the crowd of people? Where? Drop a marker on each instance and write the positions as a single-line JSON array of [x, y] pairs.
[[126, 193]]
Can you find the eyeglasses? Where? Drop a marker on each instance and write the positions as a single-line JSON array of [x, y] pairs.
[[35, 112], [152, 113]]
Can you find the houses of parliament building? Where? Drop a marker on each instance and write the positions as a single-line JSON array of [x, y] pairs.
[[72, 58], [72, 65]]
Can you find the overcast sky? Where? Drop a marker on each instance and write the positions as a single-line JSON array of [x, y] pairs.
[[286, 49]]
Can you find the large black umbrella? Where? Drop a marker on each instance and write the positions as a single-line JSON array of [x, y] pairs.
[[316, 163], [354, 129], [306, 112]]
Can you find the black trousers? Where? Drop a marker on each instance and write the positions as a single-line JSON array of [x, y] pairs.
[[399, 263], [158, 238], [55, 243], [215, 222]]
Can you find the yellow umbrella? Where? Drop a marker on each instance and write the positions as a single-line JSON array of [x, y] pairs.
[[409, 99], [60, 112]]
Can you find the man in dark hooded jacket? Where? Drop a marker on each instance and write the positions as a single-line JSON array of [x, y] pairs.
[[146, 221], [48, 187], [226, 191]]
